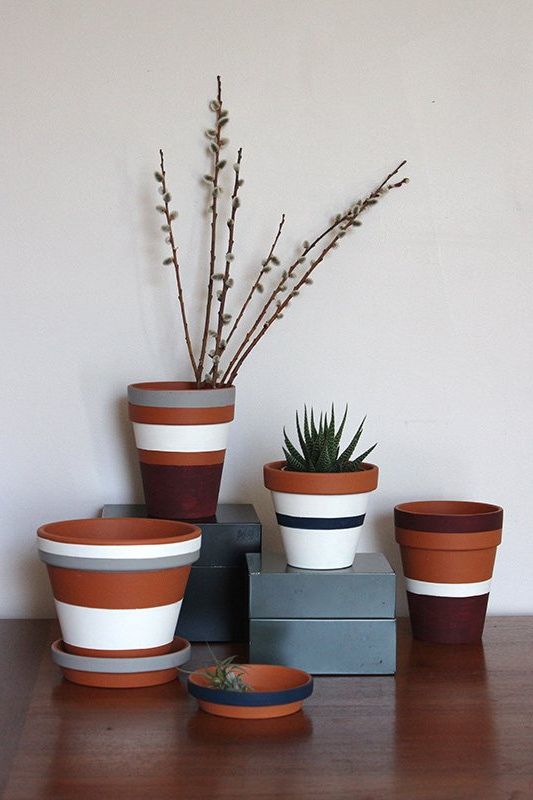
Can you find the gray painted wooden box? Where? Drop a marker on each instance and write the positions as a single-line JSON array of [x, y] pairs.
[[328, 622], [215, 606]]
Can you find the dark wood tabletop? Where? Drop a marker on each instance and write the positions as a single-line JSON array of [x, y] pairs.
[[456, 723]]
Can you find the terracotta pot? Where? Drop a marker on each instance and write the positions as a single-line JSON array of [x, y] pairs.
[[448, 550], [118, 584], [277, 692], [119, 672], [181, 434], [320, 515]]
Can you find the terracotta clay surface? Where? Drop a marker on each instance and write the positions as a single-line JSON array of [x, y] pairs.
[[181, 416], [119, 589], [456, 723], [118, 531], [278, 479]]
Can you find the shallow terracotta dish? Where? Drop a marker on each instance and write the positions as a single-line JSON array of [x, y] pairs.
[[122, 672], [277, 692]]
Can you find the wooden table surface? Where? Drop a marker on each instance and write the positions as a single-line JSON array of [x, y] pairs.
[[455, 723]]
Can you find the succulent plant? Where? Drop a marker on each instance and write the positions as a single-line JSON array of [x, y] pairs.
[[320, 447]]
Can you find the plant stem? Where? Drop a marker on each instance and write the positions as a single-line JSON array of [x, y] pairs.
[[214, 216], [257, 281], [346, 221], [218, 349], [175, 262]]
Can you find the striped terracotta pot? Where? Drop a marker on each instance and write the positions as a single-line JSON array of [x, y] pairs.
[[448, 550], [118, 584], [181, 435], [320, 515]]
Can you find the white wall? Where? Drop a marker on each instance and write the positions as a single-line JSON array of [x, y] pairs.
[[422, 320]]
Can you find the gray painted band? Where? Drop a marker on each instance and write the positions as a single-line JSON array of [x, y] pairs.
[[121, 665], [118, 564], [181, 398]]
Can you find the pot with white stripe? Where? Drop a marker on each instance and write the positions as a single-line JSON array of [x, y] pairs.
[[448, 551], [118, 584], [320, 515], [181, 435]]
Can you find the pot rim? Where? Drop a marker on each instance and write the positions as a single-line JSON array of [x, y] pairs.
[[278, 479], [429, 508], [54, 531], [178, 386]]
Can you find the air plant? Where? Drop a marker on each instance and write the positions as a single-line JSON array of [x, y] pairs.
[[320, 446], [280, 288], [226, 674]]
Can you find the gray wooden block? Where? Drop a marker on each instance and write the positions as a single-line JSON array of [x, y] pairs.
[[366, 590], [235, 531], [326, 647], [215, 605]]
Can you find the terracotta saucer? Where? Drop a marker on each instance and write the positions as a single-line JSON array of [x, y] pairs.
[[122, 673], [276, 692]]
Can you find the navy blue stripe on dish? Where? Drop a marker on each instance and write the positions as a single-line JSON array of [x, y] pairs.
[[320, 523], [228, 698]]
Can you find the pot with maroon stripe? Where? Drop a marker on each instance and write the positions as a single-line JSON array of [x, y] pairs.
[[118, 584], [448, 551], [181, 434]]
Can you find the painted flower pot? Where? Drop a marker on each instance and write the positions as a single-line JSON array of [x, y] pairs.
[[277, 692], [448, 550], [118, 584], [122, 673], [320, 515], [181, 436]]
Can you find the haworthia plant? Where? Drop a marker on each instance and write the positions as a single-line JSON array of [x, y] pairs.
[[320, 447]]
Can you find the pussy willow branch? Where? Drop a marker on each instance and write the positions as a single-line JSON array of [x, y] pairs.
[[214, 216], [174, 250], [226, 278], [265, 267], [348, 220]]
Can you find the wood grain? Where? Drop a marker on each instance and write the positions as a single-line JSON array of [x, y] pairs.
[[455, 724]]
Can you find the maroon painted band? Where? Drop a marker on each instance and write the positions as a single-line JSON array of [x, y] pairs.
[[440, 518]]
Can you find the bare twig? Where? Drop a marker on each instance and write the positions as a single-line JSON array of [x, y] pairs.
[[215, 146], [227, 281], [170, 216], [257, 283], [345, 221]]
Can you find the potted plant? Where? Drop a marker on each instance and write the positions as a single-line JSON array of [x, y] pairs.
[[320, 493], [249, 691], [181, 428], [448, 551]]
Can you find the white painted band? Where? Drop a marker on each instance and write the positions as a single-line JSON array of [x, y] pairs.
[[120, 550], [181, 438], [447, 589], [320, 549], [321, 505], [117, 629]]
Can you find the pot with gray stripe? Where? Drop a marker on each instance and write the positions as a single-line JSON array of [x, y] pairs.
[[320, 515], [181, 434], [118, 584]]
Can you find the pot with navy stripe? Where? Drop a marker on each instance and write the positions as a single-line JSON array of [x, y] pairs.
[[118, 584], [181, 435], [448, 551], [320, 515]]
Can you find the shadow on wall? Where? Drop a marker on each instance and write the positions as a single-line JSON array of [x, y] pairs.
[[381, 531], [128, 453]]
